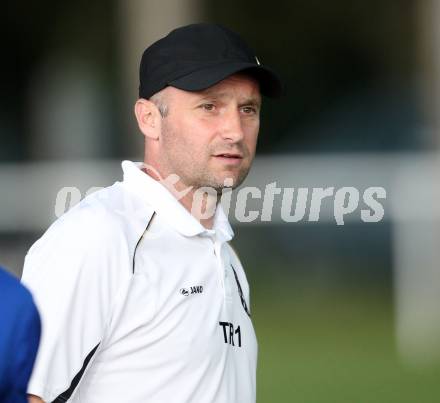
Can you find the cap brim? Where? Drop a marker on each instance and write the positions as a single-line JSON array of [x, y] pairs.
[[270, 84]]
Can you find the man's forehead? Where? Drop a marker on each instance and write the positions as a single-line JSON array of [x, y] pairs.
[[238, 85], [247, 86]]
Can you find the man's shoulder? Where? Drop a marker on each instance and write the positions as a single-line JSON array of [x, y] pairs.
[[115, 203], [233, 251], [107, 212], [12, 291], [108, 217], [19, 333], [11, 285]]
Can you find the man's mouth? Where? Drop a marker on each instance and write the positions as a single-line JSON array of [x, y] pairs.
[[229, 155], [229, 158]]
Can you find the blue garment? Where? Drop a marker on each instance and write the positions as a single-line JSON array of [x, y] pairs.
[[20, 329]]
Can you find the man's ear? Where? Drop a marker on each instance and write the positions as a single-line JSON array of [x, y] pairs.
[[148, 118]]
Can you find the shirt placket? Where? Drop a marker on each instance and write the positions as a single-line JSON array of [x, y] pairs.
[[223, 272]]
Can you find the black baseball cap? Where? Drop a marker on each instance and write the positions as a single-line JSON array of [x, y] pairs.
[[197, 56]]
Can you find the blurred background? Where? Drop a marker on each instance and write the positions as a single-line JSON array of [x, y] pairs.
[[343, 313]]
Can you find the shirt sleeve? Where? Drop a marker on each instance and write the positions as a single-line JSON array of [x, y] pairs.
[[19, 338], [27, 338], [73, 272]]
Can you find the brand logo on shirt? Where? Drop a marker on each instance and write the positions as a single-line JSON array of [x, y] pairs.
[[184, 292], [197, 289]]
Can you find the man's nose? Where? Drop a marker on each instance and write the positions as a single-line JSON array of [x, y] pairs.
[[232, 126]]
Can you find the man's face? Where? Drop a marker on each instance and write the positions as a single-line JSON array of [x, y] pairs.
[[211, 135]]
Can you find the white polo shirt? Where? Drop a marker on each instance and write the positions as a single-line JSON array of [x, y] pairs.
[[140, 303]]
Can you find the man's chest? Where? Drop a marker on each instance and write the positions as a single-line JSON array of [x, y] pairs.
[[183, 306]]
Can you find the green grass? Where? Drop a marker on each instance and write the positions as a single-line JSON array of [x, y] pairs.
[[333, 346]]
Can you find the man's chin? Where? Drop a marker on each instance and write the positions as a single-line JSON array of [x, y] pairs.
[[227, 179], [233, 180]]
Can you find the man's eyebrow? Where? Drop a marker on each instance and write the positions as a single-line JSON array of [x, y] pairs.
[[251, 101]]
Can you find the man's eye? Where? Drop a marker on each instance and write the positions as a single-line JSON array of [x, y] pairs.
[[249, 110], [208, 107]]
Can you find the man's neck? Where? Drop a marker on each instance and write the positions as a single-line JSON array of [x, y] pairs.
[[200, 205]]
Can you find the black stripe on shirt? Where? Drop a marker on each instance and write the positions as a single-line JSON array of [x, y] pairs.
[[140, 239], [240, 293], [65, 396]]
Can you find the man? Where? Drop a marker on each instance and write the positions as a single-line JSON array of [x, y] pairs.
[[19, 338], [142, 298]]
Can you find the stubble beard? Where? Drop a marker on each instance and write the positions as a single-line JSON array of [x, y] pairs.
[[199, 175], [193, 170]]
